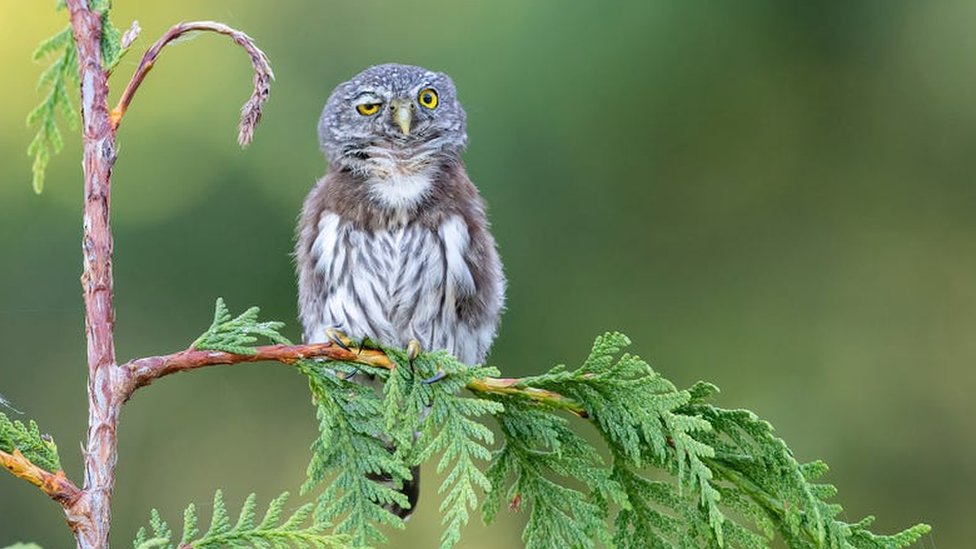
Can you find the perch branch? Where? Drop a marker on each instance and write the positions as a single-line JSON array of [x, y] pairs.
[[56, 485], [142, 371], [250, 112]]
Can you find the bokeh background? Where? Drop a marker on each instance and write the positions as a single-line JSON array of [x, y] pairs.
[[774, 196]]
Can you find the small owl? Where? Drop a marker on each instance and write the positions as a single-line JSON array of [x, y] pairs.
[[393, 243]]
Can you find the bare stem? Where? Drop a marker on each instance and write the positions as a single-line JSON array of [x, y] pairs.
[[250, 112]]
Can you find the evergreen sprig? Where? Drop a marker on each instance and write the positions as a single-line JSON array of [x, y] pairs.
[[638, 413], [238, 334], [270, 532], [545, 458], [768, 484], [449, 427], [28, 439], [111, 40], [681, 472], [352, 458], [734, 483], [56, 78], [61, 74]]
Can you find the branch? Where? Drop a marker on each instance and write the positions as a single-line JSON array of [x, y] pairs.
[[56, 485], [250, 112], [141, 372], [90, 515]]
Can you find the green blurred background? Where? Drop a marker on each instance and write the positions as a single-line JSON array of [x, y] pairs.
[[774, 196]]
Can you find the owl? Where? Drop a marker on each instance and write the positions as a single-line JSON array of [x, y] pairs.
[[393, 242]]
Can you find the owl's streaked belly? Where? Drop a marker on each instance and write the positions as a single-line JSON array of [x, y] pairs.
[[395, 285]]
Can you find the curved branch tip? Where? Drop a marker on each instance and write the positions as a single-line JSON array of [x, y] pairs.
[[263, 75]]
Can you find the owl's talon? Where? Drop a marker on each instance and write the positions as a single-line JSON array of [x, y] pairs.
[[441, 374], [413, 349], [337, 338]]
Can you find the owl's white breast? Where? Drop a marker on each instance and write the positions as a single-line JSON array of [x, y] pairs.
[[401, 190]]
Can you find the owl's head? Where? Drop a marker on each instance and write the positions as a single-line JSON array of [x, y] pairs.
[[392, 116]]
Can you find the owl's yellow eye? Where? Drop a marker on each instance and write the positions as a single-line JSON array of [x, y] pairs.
[[428, 98], [367, 109]]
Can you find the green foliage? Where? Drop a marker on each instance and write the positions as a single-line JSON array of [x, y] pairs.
[[349, 453], [540, 447], [769, 486], [237, 334], [57, 78], [350, 457], [38, 448], [450, 430], [638, 413], [678, 472], [271, 532], [734, 483], [111, 40]]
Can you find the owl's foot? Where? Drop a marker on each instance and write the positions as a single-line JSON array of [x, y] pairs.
[[413, 350], [441, 374], [338, 338]]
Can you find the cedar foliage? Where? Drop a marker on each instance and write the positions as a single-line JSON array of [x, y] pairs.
[[680, 471]]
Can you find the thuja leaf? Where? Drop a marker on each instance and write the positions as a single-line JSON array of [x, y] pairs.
[[682, 472], [28, 440], [727, 480], [350, 458], [452, 430], [238, 334], [60, 76], [297, 530], [545, 459]]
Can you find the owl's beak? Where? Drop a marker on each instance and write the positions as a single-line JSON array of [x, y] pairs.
[[403, 114]]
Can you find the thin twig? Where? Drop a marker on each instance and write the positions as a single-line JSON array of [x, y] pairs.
[[143, 371], [56, 485], [250, 112]]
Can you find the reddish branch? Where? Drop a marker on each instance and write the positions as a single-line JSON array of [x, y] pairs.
[[250, 112], [56, 485], [140, 372], [90, 515], [143, 371]]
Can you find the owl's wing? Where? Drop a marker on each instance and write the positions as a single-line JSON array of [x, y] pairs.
[[479, 311], [312, 283]]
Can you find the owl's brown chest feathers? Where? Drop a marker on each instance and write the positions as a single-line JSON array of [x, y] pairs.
[[395, 284]]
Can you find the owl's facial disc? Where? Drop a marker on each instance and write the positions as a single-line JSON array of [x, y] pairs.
[[393, 118]]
